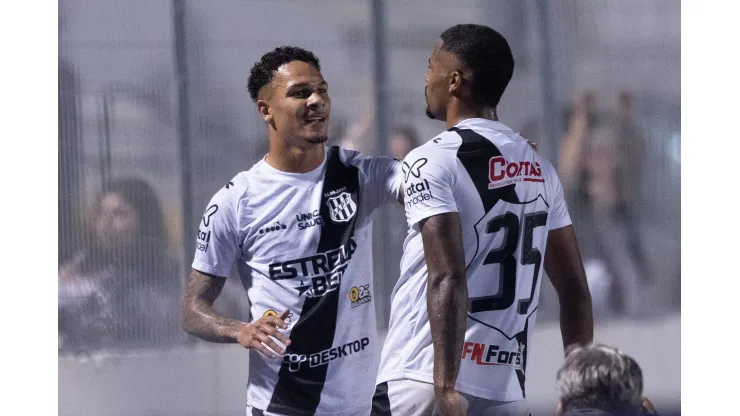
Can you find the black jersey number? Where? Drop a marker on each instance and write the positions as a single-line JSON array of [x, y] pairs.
[[505, 257]]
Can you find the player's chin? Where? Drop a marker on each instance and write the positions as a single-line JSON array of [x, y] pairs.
[[430, 114], [317, 139]]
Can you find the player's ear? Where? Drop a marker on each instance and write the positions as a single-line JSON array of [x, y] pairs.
[[454, 80], [265, 111]]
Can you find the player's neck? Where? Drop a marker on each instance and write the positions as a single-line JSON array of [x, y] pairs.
[[459, 111], [292, 159]]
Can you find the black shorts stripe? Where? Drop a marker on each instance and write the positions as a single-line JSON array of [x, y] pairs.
[[381, 401], [299, 392]]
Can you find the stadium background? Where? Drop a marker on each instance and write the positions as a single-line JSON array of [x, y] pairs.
[[157, 90]]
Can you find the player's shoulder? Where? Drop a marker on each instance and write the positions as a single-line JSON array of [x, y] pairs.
[[446, 141], [362, 161], [347, 156], [234, 190], [441, 150]]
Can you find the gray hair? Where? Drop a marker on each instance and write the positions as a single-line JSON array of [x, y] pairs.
[[599, 377]]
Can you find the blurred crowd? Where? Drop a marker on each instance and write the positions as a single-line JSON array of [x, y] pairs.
[[124, 269]]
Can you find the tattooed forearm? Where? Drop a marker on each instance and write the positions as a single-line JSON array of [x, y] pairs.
[[198, 316]]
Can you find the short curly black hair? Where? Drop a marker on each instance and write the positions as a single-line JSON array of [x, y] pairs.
[[262, 71], [487, 55]]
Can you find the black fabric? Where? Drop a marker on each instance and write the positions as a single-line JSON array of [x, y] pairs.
[[474, 154], [381, 401], [299, 392]]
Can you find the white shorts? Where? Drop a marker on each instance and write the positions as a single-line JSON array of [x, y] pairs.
[[415, 398]]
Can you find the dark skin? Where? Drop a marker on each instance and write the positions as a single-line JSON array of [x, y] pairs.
[[295, 107], [449, 98]]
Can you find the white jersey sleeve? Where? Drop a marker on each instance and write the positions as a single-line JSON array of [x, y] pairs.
[[429, 185], [383, 176], [559, 216], [217, 246]]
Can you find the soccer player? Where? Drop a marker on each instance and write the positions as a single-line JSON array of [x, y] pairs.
[[297, 225], [486, 213]]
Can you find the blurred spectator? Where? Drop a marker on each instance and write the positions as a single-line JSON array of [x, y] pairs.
[[600, 165], [388, 248], [122, 289], [359, 136], [402, 140], [597, 380]]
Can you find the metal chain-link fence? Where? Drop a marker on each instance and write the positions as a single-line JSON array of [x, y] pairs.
[[154, 110]]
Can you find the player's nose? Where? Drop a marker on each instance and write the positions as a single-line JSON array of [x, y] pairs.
[[316, 100]]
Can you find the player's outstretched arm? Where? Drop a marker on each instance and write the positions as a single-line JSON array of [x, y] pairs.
[[447, 296], [564, 267], [201, 320]]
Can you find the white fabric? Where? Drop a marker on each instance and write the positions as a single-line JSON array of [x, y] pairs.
[[268, 223], [441, 176]]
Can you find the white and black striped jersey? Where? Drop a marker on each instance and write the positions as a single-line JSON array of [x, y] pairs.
[[302, 242], [508, 197]]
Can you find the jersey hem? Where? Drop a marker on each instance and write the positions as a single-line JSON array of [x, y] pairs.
[[461, 387], [207, 268], [561, 222], [429, 213]]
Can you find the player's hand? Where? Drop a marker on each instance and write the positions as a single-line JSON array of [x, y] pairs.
[[263, 332], [449, 403]]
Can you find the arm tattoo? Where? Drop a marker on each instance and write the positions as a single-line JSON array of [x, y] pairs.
[[198, 316]]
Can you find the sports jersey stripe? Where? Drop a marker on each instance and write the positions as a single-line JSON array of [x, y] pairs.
[[299, 392], [474, 153]]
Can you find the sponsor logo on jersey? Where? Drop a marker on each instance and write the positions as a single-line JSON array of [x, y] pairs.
[[417, 192], [276, 226], [208, 214], [295, 361], [203, 239], [503, 173], [482, 354], [318, 274], [414, 169], [359, 295], [341, 207], [271, 312], [309, 219]]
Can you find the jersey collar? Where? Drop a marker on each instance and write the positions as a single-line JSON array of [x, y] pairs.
[[483, 122]]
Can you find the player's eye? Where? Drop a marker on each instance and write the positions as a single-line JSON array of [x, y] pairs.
[[301, 94]]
